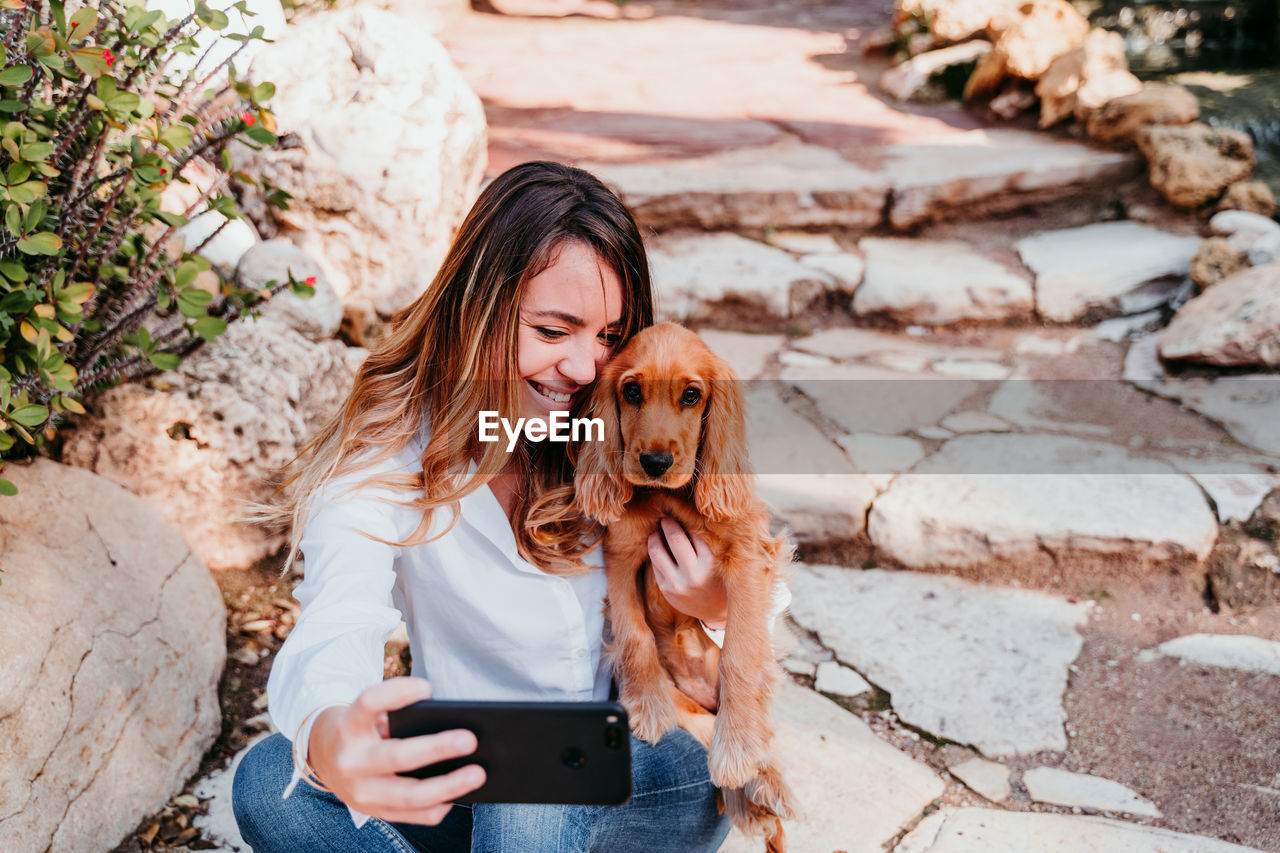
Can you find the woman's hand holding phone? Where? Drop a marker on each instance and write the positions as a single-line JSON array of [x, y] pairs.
[[352, 753]]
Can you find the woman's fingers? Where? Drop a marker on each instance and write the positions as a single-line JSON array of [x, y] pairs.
[[677, 539], [399, 754], [363, 715], [402, 794]]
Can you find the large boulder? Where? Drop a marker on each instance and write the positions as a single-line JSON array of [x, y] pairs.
[[955, 20], [1119, 121], [1235, 323], [1042, 31], [316, 318], [112, 637], [920, 77], [1082, 80], [1249, 196], [203, 440], [380, 184], [1192, 164]]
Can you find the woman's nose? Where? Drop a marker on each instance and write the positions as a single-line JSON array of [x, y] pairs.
[[579, 365]]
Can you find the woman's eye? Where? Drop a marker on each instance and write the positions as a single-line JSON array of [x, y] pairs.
[[549, 333], [690, 396], [631, 392], [610, 340]]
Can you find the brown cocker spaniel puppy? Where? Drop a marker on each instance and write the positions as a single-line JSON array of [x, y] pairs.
[[675, 445]]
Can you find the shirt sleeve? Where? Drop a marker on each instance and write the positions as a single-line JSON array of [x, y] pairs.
[[781, 601], [335, 650]]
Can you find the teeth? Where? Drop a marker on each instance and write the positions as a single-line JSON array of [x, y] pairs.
[[551, 395]]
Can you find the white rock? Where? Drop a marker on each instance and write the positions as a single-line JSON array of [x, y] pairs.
[[1236, 495], [223, 251], [1142, 362], [845, 267], [1231, 651], [798, 666], [937, 282], [985, 171], [113, 639], [1231, 222], [792, 358], [745, 352], [819, 508], [966, 369], [973, 830], [881, 454], [380, 185], [1055, 503], [316, 318], [700, 277], [975, 422], [786, 185], [977, 665], [855, 791], [1235, 323], [1264, 250], [840, 680], [1085, 270], [1044, 406], [988, 778], [804, 242], [1247, 406], [910, 79], [1040, 345], [862, 398], [1119, 329], [1063, 788], [906, 362], [936, 433]]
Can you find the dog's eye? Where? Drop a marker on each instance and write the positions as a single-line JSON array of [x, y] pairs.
[[690, 396], [631, 392]]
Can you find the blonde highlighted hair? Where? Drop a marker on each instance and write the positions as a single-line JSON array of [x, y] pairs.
[[452, 353]]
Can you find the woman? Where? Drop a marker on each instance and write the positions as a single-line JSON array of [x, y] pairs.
[[401, 512]]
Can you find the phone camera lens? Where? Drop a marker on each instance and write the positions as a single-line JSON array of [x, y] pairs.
[[613, 736], [573, 757]]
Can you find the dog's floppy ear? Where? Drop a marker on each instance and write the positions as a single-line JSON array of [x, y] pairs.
[[724, 479], [601, 491]]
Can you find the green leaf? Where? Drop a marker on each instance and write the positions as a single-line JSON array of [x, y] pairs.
[[260, 135], [12, 106], [263, 92], [13, 220], [173, 220], [28, 192], [18, 172], [91, 61], [210, 328], [13, 271], [83, 21], [176, 137], [36, 150], [184, 275], [165, 360], [6, 488], [43, 243], [147, 174], [6, 441], [192, 302], [145, 109], [15, 75], [30, 415]]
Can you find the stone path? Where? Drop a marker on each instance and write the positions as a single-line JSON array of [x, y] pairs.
[[920, 407]]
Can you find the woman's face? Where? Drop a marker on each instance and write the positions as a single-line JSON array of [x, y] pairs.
[[570, 320]]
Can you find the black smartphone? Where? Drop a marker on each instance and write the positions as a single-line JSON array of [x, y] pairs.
[[532, 752]]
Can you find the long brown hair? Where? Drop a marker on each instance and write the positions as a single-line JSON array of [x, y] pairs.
[[444, 351]]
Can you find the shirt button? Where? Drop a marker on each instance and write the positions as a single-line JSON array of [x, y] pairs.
[[582, 653]]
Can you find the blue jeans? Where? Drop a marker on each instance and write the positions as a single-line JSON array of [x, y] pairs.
[[673, 807]]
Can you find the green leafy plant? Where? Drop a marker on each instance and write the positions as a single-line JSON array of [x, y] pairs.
[[94, 288]]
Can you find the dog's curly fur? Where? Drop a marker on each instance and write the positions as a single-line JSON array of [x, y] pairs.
[[667, 395]]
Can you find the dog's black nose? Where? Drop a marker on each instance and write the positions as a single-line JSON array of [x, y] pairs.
[[654, 464]]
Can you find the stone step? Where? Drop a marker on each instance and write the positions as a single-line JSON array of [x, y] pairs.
[[791, 184]]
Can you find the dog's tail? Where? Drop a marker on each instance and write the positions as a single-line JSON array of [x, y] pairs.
[[760, 807]]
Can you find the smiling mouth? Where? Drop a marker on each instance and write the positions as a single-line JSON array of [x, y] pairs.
[[549, 395]]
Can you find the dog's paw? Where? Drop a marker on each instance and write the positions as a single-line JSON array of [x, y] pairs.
[[651, 716], [770, 792], [735, 759]]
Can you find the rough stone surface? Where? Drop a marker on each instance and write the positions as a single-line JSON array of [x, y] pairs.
[[317, 318], [404, 156], [1077, 516], [845, 267], [913, 80], [1082, 80], [981, 666], [1235, 323], [961, 175], [1236, 495], [784, 185], [747, 353], [881, 454], [1119, 121], [1243, 224], [1042, 31], [234, 413], [819, 509], [1192, 164], [953, 20], [112, 636], [1216, 259], [1063, 788], [866, 398], [1247, 406], [1230, 651], [228, 239], [1087, 270], [832, 677], [969, 830], [704, 277], [937, 282], [988, 778], [975, 422], [1250, 196], [855, 792]]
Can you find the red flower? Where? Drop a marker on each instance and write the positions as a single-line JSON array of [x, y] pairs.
[[108, 56], [163, 170], [248, 118], [311, 281]]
